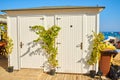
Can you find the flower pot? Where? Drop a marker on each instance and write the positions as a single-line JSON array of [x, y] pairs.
[[52, 72], [104, 62], [10, 69], [92, 73]]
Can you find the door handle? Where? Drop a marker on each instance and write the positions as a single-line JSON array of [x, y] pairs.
[[81, 45], [58, 43], [21, 44]]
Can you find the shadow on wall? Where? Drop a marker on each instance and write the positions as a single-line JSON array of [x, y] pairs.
[[31, 45], [88, 51], [33, 48]]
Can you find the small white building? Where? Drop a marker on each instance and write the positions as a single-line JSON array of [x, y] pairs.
[[73, 42], [3, 18]]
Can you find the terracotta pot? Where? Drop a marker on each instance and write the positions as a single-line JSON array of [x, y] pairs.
[[2, 43], [104, 62]]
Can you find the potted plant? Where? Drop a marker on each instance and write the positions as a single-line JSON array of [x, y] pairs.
[[92, 73], [8, 43], [10, 68], [52, 71], [48, 39], [97, 49], [6, 39], [97, 46]]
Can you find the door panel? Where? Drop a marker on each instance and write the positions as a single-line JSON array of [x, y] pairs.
[[31, 53], [69, 49]]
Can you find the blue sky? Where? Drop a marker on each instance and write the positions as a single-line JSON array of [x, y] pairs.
[[109, 17]]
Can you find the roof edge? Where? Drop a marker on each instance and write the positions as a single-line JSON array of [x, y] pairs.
[[55, 7]]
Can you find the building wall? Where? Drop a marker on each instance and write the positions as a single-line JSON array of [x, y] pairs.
[[90, 23], [13, 33]]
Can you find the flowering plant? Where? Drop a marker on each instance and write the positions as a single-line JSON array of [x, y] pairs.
[[98, 46]]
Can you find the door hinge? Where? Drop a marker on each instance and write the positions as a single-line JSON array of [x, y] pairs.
[[58, 18], [42, 18]]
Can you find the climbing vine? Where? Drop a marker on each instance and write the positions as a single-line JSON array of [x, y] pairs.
[[48, 38], [98, 45]]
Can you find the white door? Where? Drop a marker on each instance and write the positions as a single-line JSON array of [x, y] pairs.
[[31, 55], [69, 44]]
